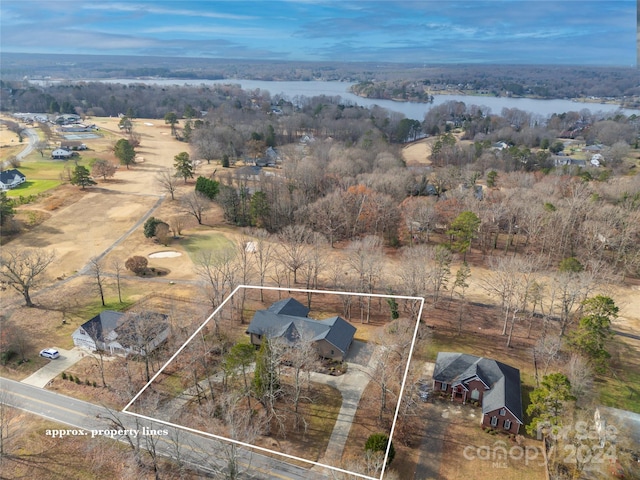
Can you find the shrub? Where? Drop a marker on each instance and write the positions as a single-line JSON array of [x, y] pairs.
[[377, 442], [150, 227], [207, 187], [136, 264], [78, 380], [64, 376]]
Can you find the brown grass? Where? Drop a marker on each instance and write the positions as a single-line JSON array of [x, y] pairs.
[[464, 432], [31, 453]]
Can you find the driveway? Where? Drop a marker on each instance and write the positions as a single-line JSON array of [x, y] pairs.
[[439, 414], [51, 370], [360, 353]]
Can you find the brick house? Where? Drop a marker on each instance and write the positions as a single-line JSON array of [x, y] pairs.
[[494, 385]]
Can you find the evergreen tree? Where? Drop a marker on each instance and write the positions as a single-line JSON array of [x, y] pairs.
[[6, 208], [207, 187], [548, 403], [259, 210], [183, 166], [464, 228], [595, 329], [81, 177], [124, 152]]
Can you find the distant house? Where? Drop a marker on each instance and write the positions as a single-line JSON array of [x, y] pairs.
[[61, 154], [11, 179], [72, 145], [499, 146], [494, 385], [67, 119], [561, 161], [248, 172], [122, 334], [596, 148], [288, 319]]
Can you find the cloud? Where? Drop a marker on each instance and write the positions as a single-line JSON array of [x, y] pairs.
[[452, 31]]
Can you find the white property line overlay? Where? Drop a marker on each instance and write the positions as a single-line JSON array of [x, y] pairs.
[[266, 450]]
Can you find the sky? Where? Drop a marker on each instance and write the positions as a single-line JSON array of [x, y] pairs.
[[565, 32]]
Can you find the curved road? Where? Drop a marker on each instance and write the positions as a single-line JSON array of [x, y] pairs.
[[33, 139], [199, 452]]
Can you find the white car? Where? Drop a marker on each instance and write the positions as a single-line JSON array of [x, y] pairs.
[[51, 353]]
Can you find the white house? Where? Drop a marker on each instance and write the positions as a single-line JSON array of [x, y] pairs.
[[122, 334], [11, 179], [61, 154]]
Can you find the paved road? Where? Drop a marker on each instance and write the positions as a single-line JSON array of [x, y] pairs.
[[197, 451], [33, 139]]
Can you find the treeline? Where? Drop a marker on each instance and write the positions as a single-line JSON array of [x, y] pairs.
[[539, 82]]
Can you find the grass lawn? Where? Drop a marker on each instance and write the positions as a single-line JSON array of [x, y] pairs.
[[42, 175], [197, 242], [620, 388]]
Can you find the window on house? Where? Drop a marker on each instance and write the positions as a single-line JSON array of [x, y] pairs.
[[443, 386], [503, 412], [475, 394], [507, 424], [332, 352], [494, 421]]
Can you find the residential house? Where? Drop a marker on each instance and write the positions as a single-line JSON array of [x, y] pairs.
[[61, 154], [11, 179], [72, 145], [122, 334], [494, 385], [288, 319], [561, 161]]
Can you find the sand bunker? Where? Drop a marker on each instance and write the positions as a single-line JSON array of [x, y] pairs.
[[166, 254]]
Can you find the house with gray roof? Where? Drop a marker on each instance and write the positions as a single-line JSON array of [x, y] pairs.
[[288, 319], [121, 334], [11, 179], [493, 384]]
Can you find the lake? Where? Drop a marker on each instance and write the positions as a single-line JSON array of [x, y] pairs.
[[413, 110]]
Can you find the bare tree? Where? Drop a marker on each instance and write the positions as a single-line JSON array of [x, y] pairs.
[[22, 269], [218, 271], [95, 267], [365, 258], [262, 256], [195, 204], [315, 264], [440, 261], [293, 249], [118, 268], [546, 352], [8, 423], [143, 331], [103, 168], [580, 375], [176, 224], [168, 182]]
